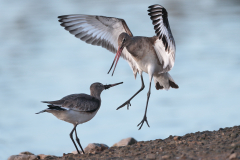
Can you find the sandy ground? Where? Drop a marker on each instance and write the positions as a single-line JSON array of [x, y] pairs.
[[221, 144]]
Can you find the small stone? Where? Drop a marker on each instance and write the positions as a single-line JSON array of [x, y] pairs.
[[172, 142], [125, 142], [26, 153], [151, 156], [233, 145], [42, 156], [166, 157], [233, 135], [12, 157], [95, 147], [96, 152], [176, 138], [233, 156], [160, 149], [23, 157], [170, 137], [184, 156]]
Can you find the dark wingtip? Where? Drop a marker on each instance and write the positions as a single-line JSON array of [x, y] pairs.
[[155, 5], [173, 84], [62, 16]]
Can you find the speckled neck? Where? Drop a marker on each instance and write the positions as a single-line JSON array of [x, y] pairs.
[[96, 94]]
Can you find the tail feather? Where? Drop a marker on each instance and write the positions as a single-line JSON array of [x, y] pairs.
[[173, 84], [52, 107], [164, 81]]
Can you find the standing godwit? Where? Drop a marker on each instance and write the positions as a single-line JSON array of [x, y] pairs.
[[152, 55], [78, 108]]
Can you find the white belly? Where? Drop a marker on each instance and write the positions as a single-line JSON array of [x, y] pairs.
[[74, 117], [149, 64]]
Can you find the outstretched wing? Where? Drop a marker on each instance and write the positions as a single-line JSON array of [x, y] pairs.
[[98, 30], [165, 44], [77, 102]]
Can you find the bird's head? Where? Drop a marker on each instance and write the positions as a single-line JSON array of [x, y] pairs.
[[123, 41], [123, 38], [97, 88]]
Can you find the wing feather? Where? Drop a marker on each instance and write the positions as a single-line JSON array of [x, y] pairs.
[[165, 44], [99, 30], [77, 102]]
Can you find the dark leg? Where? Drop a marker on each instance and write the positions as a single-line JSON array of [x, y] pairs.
[[128, 101], [77, 139], [145, 115], [72, 138]]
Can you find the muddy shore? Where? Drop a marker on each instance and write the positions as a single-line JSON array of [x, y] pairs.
[[222, 144]]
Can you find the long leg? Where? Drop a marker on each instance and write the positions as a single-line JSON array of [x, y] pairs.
[[72, 138], [77, 139], [145, 114], [128, 101]]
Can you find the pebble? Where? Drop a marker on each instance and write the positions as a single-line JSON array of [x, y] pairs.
[[151, 156], [233, 156], [23, 157], [166, 157], [26, 153], [42, 156], [125, 142], [176, 138], [95, 147]]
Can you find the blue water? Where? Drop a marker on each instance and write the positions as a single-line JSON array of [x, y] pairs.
[[39, 60]]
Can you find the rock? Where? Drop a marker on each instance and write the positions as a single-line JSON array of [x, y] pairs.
[[151, 156], [43, 156], [166, 157], [23, 157], [12, 157], [233, 156], [26, 153], [125, 142], [95, 147], [183, 156], [176, 138], [172, 142]]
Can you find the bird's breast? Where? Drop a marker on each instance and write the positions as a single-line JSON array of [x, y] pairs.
[[144, 54]]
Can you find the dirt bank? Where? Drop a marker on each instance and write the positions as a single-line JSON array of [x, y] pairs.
[[221, 144]]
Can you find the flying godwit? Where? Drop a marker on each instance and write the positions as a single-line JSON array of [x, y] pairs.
[[152, 55]]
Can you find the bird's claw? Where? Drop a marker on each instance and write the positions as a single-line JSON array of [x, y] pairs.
[[126, 103], [143, 120]]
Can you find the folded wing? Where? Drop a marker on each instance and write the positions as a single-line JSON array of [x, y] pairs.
[[77, 102]]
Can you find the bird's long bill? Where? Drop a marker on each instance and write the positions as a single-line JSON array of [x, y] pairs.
[[111, 85], [116, 59]]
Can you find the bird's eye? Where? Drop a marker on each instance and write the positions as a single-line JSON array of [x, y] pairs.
[[123, 40]]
